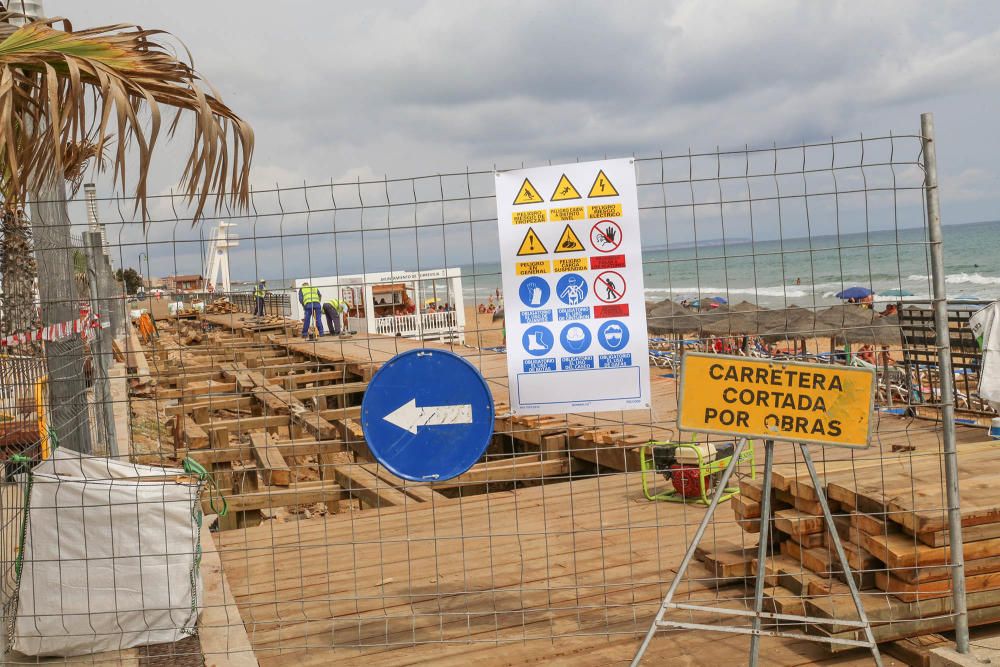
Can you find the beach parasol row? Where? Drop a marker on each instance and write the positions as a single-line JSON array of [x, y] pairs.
[[846, 323]]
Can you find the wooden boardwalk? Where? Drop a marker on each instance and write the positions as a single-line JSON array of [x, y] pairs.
[[571, 571]]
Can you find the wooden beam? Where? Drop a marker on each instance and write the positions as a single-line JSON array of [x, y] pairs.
[[328, 390], [416, 490], [200, 389], [273, 469], [297, 494], [243, 452], [247, 423], [341, 413], [214, 403], [518, 468], [294, 381], [368, 488], [221, 632]]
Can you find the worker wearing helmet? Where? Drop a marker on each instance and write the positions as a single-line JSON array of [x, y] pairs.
[[310, 299], [258, 294], [334, 310]]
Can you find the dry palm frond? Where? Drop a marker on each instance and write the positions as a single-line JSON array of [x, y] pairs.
[[76, 157], [64, 90]]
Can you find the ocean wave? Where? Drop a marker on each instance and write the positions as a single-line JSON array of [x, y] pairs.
[[960, 278], [795, 291]]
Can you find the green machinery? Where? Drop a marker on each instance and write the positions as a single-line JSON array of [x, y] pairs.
[[691, 468]]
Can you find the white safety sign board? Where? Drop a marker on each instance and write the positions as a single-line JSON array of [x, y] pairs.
[[575, 310]]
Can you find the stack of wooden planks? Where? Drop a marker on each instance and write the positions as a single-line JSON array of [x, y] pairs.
[[890, 513]]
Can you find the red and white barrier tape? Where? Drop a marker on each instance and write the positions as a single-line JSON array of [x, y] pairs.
[[53, 332]]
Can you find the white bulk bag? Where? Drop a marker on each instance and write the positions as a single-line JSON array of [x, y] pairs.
[[110, 562]]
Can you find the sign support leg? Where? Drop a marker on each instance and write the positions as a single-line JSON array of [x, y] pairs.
[[844, 565], [720, 489], [758, 614], [765, 524]]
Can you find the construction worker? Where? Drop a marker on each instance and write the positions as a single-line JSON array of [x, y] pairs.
[[310, 299], [334, 310], [258, 294]]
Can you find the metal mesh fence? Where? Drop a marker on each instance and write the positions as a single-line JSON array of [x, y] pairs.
[[570, 528]]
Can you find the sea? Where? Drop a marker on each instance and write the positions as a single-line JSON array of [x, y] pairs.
[[807, 272]]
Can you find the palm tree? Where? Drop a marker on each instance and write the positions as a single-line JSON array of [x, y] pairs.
[[67, 95], [63, 89]]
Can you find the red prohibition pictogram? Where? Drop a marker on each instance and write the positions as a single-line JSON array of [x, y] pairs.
[[609, 286], [606, 236]]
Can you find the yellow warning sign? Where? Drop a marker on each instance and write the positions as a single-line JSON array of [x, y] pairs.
[[534, 268], [527, 194], [567, 213], [602, 187], [799, 402], [572, 264], [528, 217], [531, 245], [569, 241], [604, 211], [564, 190]]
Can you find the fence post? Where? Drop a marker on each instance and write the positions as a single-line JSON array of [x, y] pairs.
[[100, 303], [947, 379], [57, 292]]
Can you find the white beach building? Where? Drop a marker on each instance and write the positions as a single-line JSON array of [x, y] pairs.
[[426, 305]]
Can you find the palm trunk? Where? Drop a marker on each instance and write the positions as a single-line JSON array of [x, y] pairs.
[[18, 272]]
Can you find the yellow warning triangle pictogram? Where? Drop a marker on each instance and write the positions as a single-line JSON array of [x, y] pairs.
[[564, 190], [602, 187], [531, 245], [569, 241], [528, 194]]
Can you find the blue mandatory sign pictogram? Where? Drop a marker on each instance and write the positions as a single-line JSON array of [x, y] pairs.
[[534, 292], [575, 338], [613, 335], [572, 289], [537, 340], [427, 415]]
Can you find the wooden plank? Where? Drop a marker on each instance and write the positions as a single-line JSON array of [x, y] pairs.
[[518, 468], [419, 492], [244, 424], [194, 436], [243, 452], [273, 469], [969, 534], [916, 651], [728, 560], [296, 381], [368, 488], [897, 550], [796, 523], [343, 389], [912, 592], [221, 632], [214, 403], [296, 494], [199, 389]]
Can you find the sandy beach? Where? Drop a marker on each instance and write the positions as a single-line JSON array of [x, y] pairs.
[[481, 330]]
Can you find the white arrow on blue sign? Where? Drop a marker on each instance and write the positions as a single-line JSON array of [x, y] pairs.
[[408, 416], [427, 415]]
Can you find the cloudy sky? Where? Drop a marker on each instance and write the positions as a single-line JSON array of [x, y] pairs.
[[340, 90]]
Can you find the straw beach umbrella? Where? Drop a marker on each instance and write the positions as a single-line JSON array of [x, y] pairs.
[[672, 318]]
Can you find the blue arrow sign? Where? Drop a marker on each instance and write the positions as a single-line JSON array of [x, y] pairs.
[[427, 415]]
